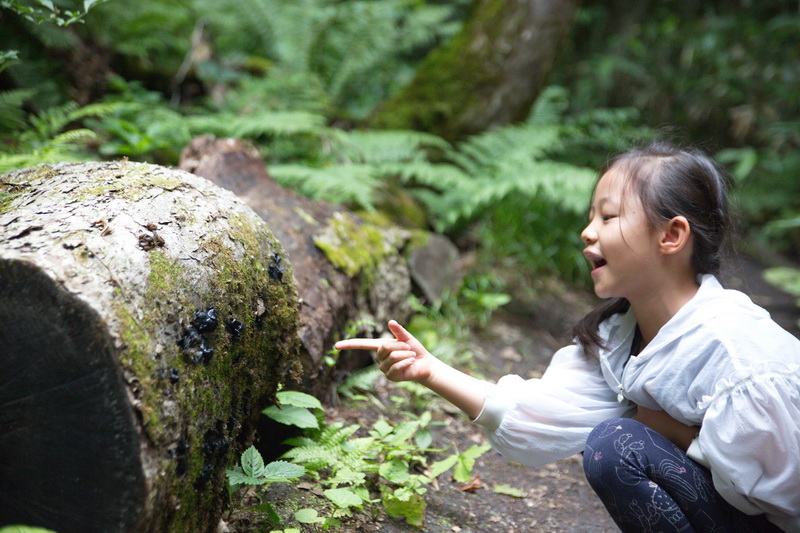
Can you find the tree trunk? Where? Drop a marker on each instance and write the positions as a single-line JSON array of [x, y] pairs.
[[321, 241], [489, 75], [123, 394]]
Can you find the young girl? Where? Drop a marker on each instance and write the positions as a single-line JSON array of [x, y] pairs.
[[683, 396]]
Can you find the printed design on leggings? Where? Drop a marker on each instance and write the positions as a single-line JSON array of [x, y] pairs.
[[648, 463]]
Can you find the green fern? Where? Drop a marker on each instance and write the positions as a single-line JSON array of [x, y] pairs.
[[355, 185], [326, 450], [362, 380], [44, 140]]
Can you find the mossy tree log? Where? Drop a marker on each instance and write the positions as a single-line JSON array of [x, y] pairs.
[[488, 75], [347, 272], [120, 403]]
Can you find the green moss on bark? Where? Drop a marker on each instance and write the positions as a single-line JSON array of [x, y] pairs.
[[450, 81], [352, 247]]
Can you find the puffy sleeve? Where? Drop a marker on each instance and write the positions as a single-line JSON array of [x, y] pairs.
[[750, 440], [537, 421]]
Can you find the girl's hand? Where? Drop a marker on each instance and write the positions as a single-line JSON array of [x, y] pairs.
[[402, 359]]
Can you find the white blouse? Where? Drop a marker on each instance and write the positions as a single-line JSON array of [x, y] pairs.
[[720, 363]]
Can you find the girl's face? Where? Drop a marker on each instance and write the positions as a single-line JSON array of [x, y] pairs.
[[620, 243]]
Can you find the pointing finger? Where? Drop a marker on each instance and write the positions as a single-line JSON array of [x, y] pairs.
[[359, 344]]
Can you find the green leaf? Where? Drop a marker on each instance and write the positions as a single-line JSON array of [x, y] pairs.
[[292, 416], [252, 462], [308, 516], [382, 428], [404, 431], [466, 460], [405, 503], [240, 478], [343, 498], [87, 4], [283, 471], [298, 399], [509, 491], [395, 471], [423, 439], [440, 467], [266, 507]]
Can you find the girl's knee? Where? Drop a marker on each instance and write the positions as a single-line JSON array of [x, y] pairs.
[[607, 443]]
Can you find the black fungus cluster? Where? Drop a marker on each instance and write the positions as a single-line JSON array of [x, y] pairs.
[[215, 450], [234, 327], [194, 339], [275, 269]]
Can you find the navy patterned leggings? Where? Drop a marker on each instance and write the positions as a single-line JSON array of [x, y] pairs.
[[649, 485]]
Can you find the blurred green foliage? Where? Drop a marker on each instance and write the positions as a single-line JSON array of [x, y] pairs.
[[296, 78], [722, 74]]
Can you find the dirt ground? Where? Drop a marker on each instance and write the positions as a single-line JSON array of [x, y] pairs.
[[557, 497]]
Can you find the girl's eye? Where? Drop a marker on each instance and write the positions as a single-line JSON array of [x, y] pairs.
[[606, 218]]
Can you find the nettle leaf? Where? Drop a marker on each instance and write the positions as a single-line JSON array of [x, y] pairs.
[[440, 467], [466, 460], [292, 416], [283, 471], [348, 476], [252, 462], [404, 431], [395, 471], [509, 491], [298, 399], [240, 478], [382, 428], [343, 498], [423, 439], [405, 503]]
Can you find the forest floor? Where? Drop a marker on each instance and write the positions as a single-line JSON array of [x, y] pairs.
[[556, 497]]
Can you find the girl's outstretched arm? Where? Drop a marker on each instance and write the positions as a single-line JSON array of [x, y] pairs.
[[406, 359]]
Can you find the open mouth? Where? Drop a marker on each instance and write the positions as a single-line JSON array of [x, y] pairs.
[[597, 261]]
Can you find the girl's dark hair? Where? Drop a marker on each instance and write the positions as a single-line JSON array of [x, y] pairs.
[[669, 181]]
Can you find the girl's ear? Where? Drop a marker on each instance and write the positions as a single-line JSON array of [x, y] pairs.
[[675, 235]]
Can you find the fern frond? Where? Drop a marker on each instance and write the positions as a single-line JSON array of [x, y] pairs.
[[390, 146], [277, 123], [361, 380], [348, 184], [438, 176], [72, 137], [251, 126], [102, 109]]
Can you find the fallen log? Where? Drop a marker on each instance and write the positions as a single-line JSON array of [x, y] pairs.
[[347, 272], [146, 317]]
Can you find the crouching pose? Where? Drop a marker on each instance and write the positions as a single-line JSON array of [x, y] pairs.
[[683, 396]]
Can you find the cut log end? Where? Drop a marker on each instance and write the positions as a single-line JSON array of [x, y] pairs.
[[60, 384]]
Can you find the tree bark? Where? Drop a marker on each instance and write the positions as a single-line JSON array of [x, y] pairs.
[[332, 300], [122, 399], [489, 75]]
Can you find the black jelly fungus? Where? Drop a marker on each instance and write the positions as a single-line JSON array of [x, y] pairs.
[[191, 337], [174, 377], [275, 270], [205, 321], [234, 328], [202, 354]]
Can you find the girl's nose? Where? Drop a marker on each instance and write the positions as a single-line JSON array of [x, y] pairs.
[[588, 235]]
